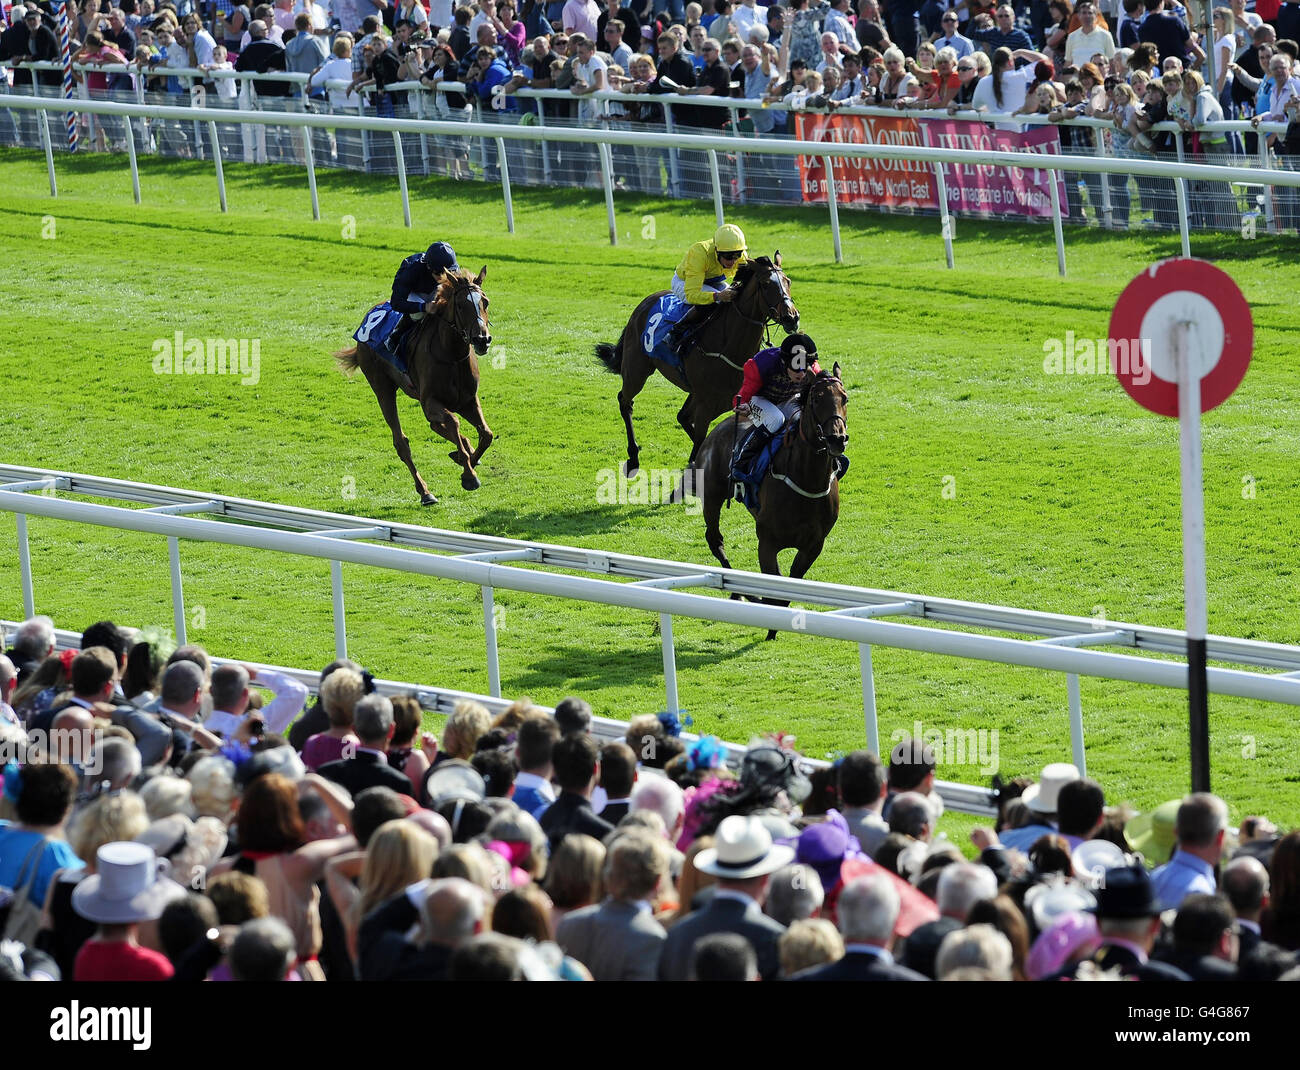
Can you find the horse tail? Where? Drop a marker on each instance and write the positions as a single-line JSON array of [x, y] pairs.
[[611, 356], [347, 360]]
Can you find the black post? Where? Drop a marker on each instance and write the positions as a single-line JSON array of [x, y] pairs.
[[1198, 714]]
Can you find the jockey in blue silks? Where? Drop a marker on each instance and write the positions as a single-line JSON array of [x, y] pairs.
[[416, 282]]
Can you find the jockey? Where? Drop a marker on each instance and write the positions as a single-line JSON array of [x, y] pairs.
[[416, 282], [769, 393], [701, 278]]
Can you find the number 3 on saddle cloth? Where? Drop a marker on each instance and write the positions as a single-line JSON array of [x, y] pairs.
[[655, 339], [379, 331]]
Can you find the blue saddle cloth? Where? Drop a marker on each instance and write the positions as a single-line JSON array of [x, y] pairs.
[[753, 479], [664, 315], [376, 331]]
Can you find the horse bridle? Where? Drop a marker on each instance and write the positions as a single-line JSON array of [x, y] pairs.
[[820, 440], [769, 319], [457, 288]]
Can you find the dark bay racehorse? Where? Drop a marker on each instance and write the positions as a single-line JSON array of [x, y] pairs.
[[799, 500], [716, 361], [442, 353]]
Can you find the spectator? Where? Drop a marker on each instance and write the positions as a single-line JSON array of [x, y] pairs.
[[33, 641], [868, 910], [534, 743], [1201, 825], [1043, 798], [450, 912], [213, 787], [979, 947], [1168, 33], [263, 950], [1280, 920], [339, 695], [795, 893], [336, 69], [1004, 915], [961, 886], [8, 685], [629, 32], [407, 749], [912, 817], [662, 797], [580, 17], [1081, 809], [574, 876], [1245, 883], [589, 75], [260, 56], [723, 957], [183, 926], [125, 890], [1005, 34], [199, 44], [808, 944], [948, 37], [230, 683], [911, 761], [743, 860], [617, 776], [1128, 919], [1089, 39], [316, 719], [1205, 944], [619, 940], [306, 53], [368, 767], [576, 760], [32, 848], [469, 721], [235, 22]]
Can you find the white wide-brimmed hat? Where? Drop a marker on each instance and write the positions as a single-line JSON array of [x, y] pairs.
[[743, 848], [1041, 797], [128, 886]]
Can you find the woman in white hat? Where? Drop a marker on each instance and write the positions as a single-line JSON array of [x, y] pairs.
[[126, 889]]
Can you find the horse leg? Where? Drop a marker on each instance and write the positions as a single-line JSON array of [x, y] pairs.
[[386, 394], [444, 423], [713, 499], [474, 414], [767, 561], [804, 559], [636, 370]]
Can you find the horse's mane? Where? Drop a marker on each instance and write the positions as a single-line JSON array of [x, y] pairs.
[[750, 268], [447, 286]]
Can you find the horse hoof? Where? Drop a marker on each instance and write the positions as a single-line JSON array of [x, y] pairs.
[[631, 468], [457, 457], [470, 481], [428, 499], [771, 635]]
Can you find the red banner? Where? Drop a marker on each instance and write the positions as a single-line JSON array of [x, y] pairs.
[[880, 183], [984, 190]]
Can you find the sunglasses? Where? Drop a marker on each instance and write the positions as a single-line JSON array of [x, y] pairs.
[[966, 68], [729, 256]]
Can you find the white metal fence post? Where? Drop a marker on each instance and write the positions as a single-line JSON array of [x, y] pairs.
[[832, 202], [178, 591], [340, 610], [670, 661], [870, 723], [717, 186], [216, 159], [505, 184], [1057, 230], [1076, 722], [44, 123], [490, 633], [25, 563], [607, 179], [401, 176], [309, 156]]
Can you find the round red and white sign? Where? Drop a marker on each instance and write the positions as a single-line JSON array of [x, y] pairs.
[[1220, 333]]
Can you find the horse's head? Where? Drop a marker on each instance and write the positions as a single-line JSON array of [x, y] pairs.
[[825, 421], [461, 300], [773, 289]]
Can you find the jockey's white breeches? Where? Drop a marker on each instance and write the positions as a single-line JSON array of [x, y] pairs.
[[771, 415]]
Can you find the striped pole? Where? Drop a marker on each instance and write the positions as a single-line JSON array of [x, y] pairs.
[[69, 90]]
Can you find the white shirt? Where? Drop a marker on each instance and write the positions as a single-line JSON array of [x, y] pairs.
[[581, 17], [589, 107], [440, 13], [746, 18], [203, 46], [1015, 87], [1080, 47], [290, 697], [319, 19], [336, 70], [532, 780]]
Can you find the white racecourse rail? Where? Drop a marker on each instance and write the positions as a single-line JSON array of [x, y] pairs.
[[708, 144], [1057, 643]]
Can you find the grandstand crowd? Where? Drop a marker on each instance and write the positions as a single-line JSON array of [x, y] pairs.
[[1132, 63], [163, 819]]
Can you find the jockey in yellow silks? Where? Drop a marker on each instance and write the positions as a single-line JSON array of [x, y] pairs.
[[703, 276]]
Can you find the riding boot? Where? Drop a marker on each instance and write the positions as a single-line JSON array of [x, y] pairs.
[[759, 437], [696, 316]]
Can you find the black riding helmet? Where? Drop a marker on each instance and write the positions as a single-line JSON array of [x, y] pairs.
[[799, 352]]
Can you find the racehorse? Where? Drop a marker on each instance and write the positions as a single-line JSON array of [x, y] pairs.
[[799, 499], [442, 350], [714, 367]]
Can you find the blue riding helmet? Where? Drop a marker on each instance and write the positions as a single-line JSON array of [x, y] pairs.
[[441, 257]]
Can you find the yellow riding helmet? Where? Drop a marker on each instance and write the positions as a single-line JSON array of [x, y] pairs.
[[729, 238]]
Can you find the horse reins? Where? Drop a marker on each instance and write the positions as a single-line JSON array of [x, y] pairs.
[[820, 445]]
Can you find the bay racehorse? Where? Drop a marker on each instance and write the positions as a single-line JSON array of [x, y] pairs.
[[714, 367], [442, 361], [799, 499]]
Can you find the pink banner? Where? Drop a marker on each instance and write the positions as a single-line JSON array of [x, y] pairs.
[[883, 183], [986, 190]]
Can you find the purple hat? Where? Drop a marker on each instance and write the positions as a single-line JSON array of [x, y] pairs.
[[1064, 938], [825, 846]]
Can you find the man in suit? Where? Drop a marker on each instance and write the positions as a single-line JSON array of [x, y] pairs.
[[372, 721], [743, 859], [862, 789], [450, 912], [576, 760], [868, 910], [1245, 883], [619, 940], [617, 775], [1205, 944], [1128, 917], [534, 742], [961, 886]]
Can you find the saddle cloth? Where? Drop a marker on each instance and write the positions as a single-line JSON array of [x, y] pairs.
[[376, 331]]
